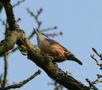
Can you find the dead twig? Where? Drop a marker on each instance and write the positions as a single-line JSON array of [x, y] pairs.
[[22, 83], [91, 85], [98, 61], [18, 3], [4, 82]]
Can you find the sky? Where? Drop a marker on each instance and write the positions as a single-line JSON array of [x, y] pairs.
[[81, 24]]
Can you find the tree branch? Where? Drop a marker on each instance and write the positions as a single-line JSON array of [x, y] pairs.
[[8, 43], [98, 61], [92, 86], [22, 83], [5, 70]]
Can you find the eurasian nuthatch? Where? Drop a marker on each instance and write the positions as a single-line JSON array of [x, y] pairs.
[[54, 49]]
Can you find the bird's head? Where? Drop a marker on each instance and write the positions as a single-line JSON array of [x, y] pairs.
[[40, 36]]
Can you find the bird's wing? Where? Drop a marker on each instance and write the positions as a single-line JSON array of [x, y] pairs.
[[53, 42]]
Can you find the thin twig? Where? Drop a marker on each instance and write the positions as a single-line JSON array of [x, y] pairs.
[[92, 86], [22, 83], [97, 60], [92, 56], [36, 17], [3, 22], [97, 53], [48, 29], [5, 70], [53, 34], [98, 79], [18, 3], [19, 19]]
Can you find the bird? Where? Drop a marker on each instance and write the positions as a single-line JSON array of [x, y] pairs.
[[54, 49]]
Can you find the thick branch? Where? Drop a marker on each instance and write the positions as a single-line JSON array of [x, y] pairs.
[[9, 41], [10, 16]]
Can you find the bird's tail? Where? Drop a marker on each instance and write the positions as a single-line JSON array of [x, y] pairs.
[[70, 56], [77, 60]]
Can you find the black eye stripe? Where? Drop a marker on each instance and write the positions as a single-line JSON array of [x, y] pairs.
[[44, 34]]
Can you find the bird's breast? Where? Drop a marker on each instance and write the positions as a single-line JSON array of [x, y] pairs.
[[44, 46]]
